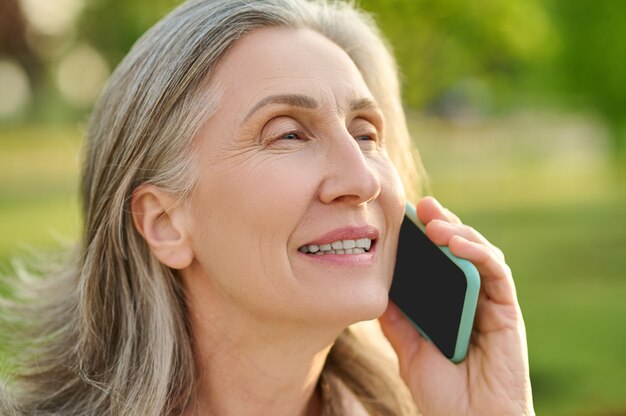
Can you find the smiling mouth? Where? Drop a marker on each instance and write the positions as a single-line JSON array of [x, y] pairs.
[[359, 246]]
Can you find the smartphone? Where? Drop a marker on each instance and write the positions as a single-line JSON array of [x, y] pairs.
[[436, 290]]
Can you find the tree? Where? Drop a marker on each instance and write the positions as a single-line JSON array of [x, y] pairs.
[[439, 42], [590, 66], [113, 26]]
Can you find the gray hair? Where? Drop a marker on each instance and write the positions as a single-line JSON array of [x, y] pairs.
[[113, 337]]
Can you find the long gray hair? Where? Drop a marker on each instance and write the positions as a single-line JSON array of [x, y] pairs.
[[107, 333]]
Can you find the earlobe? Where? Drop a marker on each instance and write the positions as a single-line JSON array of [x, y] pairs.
[[160, 221]]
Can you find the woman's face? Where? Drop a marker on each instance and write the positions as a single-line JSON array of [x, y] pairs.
[[292, 160]]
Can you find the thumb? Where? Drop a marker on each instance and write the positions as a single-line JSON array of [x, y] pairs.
[[402, 335], [416, 355]]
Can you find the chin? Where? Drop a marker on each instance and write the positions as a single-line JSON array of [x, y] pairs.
[[356, 306], [373, 309]]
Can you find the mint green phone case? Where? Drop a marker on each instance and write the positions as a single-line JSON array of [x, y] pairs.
[[471, 294]]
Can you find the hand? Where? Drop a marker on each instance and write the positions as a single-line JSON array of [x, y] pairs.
[[493, 379]]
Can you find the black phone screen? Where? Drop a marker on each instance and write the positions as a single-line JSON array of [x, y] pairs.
[[428, 287]]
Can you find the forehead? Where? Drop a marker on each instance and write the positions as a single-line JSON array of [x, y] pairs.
[[280, 60]]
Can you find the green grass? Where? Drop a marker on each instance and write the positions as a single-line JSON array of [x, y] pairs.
[[550, 202], [555, 209], [569, 264]]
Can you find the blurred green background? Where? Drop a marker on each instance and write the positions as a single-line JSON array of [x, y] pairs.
[[518, 109]]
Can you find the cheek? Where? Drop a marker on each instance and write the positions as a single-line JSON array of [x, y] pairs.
[[260, 187], [393, 200], [393, 197], [274, 192], [246, 212]]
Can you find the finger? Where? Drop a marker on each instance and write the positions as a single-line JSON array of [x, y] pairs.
[[428, 209], [492, 317], [440, 232], [496, 278], [452, 217]]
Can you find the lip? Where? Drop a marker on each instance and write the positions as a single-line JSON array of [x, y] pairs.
[[365, 259], [346, 233]]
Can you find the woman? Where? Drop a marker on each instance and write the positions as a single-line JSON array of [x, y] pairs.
[[234, 135]]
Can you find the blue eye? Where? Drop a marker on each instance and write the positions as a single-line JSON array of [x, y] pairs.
[[364, 138], [290, 136]]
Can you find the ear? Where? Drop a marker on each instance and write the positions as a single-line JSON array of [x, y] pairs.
[[160, 219]]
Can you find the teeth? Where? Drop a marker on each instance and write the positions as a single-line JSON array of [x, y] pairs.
[[359, 246], [365, 243], [348, 243]]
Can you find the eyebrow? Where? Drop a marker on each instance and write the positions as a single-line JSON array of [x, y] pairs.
[[294, 100], [362, 104], [304, 101]]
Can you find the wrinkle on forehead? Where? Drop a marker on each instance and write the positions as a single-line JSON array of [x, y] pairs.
[[268, 51]]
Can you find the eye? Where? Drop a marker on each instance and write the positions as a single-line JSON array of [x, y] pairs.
[[364, 132], [291, 136], [366, 137], [283, 129]]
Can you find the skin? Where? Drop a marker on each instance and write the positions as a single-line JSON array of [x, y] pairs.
[[276, 174]]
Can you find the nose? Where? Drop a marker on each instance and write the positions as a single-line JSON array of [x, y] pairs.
[[350, 176]]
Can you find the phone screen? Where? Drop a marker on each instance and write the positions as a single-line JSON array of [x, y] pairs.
[[429, 287]]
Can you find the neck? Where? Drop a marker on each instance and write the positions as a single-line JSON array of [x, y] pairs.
[[247, 365]]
